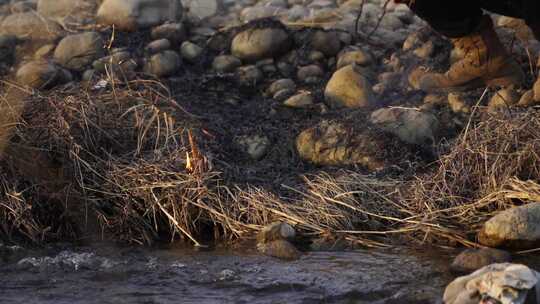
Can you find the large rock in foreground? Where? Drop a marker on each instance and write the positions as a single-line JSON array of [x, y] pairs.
[[30, 26], [331, 143], [498, 283], [257, 43], [77, 51], [517, 227], [349, 88], [131, 15]]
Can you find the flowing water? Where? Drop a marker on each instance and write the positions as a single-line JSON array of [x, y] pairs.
[[108, 274]]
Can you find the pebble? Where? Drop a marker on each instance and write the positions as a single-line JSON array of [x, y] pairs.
[[174, 32], [190, 51], [255, 146], [301, 100], [281, 84], [258, 43], [249, 75], [349, 88], [473, 259], [226, 63], [310, 71], [157, 46], [163, 64]]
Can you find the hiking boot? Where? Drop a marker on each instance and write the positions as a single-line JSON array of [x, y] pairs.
[[486, 63]]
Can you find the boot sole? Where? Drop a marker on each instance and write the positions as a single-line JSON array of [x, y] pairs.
[[503, 81], [471, 85]]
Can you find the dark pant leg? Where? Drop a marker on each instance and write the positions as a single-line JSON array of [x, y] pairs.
[[458, 18], [454, 18], [523, 9]]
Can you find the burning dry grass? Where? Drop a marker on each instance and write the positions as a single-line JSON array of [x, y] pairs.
[[136, 159]]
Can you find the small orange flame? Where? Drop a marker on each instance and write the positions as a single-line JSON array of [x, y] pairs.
[[189, 165]]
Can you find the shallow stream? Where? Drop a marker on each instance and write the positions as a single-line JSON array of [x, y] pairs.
[[109, 274]]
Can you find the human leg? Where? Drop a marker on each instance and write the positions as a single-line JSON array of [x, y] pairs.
[[486, 61]]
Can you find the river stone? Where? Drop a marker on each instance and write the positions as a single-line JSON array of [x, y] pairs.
[[473, 259], [174, 32], [504, 99], [410, 125], [254, 13], [332, 143], [77, 51], [327, 42], [281, 84], [255, 146], [163, 64], [40, 75], [349, 88], [226, 63], [131, 15], [280, 249], [517, 227], [359, 57], [118, 57], [309, 72], [258, 43], [276, 231], [301, 100], [202, 9], [61, 9], [249, 75], [45, 51], [30, 26], [157, 46], [536, 90], [527, 99], [316, 56], [283, 95], [190, 51], [457, 103]]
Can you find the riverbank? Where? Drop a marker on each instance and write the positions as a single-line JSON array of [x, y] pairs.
[[209, 130]]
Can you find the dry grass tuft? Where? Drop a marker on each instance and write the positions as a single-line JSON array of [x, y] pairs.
[[484, 171], [132, 156]]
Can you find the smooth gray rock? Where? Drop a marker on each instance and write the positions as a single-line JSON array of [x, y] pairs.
[[249, 75], [132, 15], [190, 51], [32, 26], [157, 46], [78, 51], [226, 63], [410, 125], [41, 75], [349, 88], [74, 10], [163, 64], [174, 32], [258, 43], [327, 42], [473, 259]]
